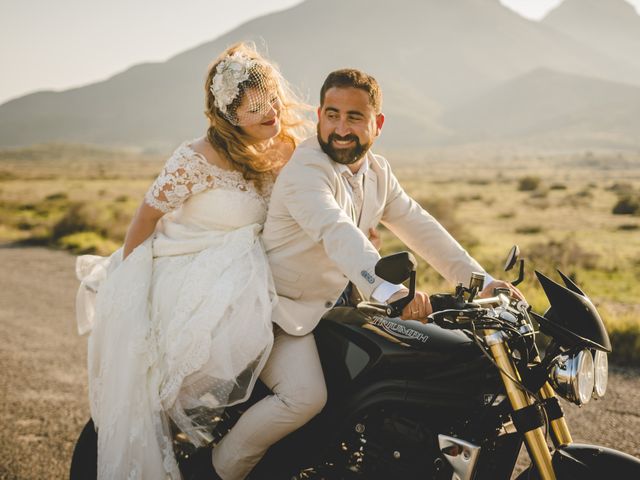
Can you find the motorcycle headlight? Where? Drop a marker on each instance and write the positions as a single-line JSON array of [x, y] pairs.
[[573, 377], [601, 363]]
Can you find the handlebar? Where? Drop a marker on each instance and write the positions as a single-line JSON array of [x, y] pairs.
[[449, 311]]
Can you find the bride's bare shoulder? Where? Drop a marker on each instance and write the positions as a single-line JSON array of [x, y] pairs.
[[204, 149]]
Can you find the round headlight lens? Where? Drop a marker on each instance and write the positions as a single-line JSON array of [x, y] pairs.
[[573, 377], [601, 362], [585, 377]]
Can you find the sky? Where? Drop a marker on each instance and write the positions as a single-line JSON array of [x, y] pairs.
[[55, 45]]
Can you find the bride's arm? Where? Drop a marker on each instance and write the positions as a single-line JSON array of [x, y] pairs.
[[143, 224], [183, 175]]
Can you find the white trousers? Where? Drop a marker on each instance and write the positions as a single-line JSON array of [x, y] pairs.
[[294, 375]]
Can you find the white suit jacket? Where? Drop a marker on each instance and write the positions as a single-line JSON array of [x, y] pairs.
[[315, 247]]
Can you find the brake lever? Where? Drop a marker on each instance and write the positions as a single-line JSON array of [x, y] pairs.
[[375, 308], [443, 318]]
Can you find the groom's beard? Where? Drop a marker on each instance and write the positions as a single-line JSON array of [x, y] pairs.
[[346, 156]]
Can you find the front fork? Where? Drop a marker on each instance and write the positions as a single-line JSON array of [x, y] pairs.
[[535, 439], [559, 428]]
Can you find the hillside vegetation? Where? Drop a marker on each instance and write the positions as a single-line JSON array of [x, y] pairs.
[[579, 213]]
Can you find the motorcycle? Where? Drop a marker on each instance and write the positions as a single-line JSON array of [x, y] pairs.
[[454, 398]]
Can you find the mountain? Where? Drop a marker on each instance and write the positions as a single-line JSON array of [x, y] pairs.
[[553, 108], [430, 56], [611, 27]]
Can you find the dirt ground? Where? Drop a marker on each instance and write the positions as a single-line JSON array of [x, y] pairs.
[[43, 387]]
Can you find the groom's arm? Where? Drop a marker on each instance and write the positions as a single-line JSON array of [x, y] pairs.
[[422, 233], [309, 194]]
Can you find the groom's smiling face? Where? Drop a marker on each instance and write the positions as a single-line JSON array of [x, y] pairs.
[[347, 125]]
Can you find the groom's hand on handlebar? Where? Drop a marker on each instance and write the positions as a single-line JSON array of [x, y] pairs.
[[418, 309], [488, 290]]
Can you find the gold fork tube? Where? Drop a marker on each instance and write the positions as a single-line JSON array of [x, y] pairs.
[[559, 426], [536, 442]]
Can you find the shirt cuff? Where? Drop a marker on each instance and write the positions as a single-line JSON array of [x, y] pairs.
[[487, 280], [385, 290]]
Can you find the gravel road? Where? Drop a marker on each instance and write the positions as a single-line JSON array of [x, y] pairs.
[[43, 387]]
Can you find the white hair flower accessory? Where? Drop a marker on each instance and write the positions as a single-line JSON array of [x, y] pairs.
[[230, 73]]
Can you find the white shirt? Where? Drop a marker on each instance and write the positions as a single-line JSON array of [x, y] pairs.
[[385, 290]]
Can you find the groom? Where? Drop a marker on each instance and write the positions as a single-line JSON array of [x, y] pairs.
[[332, 191]]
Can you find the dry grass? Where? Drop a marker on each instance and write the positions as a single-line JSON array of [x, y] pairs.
[[568, 226]]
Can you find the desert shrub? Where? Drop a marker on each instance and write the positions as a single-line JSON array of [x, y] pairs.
[[584, 193], [578, 199], [19, 218], [529, 229], [567, 254], [53, 206], [57, 196], [507, 215], [624, 333], [625, 344], [621, 188], [87, 242], [116, 224], [25, 225], [443, 210], [528, 183], [558, 186], [467, 198], [538, 194], [77, 218], [628, 227], [537, 203], [627, 205]]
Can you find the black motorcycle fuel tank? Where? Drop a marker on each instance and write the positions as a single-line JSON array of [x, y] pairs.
[[362, 349]]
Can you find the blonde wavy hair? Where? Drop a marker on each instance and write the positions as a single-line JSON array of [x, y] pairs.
[[254, 161]]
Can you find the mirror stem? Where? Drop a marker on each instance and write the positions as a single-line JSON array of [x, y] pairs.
[[520, 274], [398, 305]]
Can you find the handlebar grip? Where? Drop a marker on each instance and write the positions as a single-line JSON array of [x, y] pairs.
[[443, 301]]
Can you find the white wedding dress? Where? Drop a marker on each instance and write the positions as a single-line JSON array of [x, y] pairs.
[[182, 327]]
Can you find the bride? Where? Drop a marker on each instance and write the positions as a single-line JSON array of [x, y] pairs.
[[181, 321]]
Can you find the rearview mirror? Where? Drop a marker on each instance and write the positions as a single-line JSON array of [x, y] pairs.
[[512, 258], [396, 268]]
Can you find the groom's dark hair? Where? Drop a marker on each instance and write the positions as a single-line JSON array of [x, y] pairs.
[[350, 77]]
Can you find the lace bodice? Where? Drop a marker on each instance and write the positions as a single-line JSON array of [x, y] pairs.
[[188, 173]]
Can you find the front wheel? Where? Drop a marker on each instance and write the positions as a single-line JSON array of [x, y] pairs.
[[588, 462]]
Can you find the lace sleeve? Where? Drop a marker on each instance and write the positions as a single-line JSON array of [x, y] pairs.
[[183, 175]]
